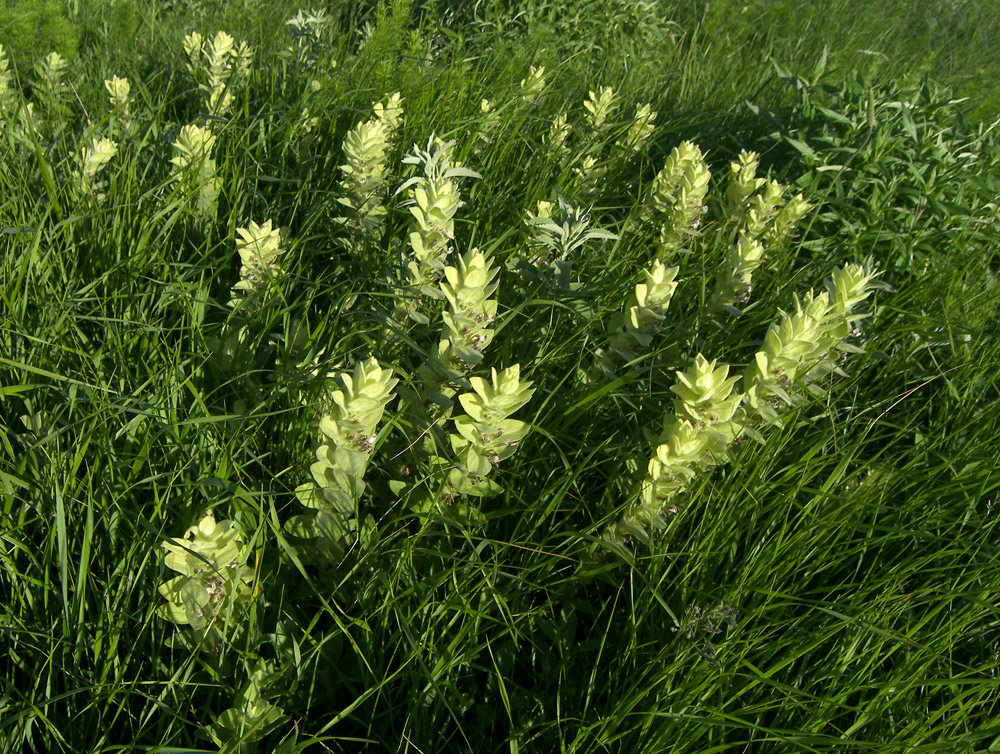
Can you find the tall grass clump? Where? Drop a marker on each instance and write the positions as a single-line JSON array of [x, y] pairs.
[[479, 378]]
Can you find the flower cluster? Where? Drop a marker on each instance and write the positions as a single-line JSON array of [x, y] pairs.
[[485, 433], [119, 95], [91, 160], [709, 414], [466, 331], [589, 173], [799, 348], [676, 199], [707, 417], [762, 208], [599, 106], [645, 312], [733, 283], [218, 66], [259, 247], [559, 131], [533, 86], [8, 94], [757, 205], [214, 583], [194, 168], [743, 183], [434, 200], [365, 150], [640, 129], [341, 462]]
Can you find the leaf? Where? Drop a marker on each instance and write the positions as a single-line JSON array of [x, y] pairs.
[[803, 148]]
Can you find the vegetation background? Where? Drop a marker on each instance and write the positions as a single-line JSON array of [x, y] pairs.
[[833, 588]]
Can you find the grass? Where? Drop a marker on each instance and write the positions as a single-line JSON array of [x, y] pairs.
[[831, 588]]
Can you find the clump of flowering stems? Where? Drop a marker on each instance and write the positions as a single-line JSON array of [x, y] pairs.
[[764, 222], [485, 434], [588, 174], [194, 169], [366, 152], [633, 330], [466, 327], [259, 247], [8, 93], [212, 588], [120, 97], [51, 89], [709, 414], [91, 160], [639, 130], [806, 344], [434, 199], [592, 155], [533, 86], [349, 437], [219, 66], [675, 201]]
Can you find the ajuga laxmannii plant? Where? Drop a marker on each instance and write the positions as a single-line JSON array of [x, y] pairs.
[[194, 168], [705, 420], [590, 171], [538, 251], [734, 281], [51, 89], [639, 130], [803, 345], [434, 199], [259, 247], [8, 92], [709, 413], [219, 66], [743, 183], [489, 121], [120, 96], [764, 215], [466, 326], [212, 588], [91, 160], [676, 199], [633, 331], [785, 221], [557, 135], [349, 433], [762, 208], [253, 716], [751, 208], [556, 234], [486, 435], [483, 436], [599, 106], [366, 151], [533, 86]]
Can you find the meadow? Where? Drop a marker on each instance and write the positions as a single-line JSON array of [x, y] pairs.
[[581, 376]]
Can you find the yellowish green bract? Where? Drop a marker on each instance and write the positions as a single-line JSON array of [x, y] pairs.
[[214, 584]]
